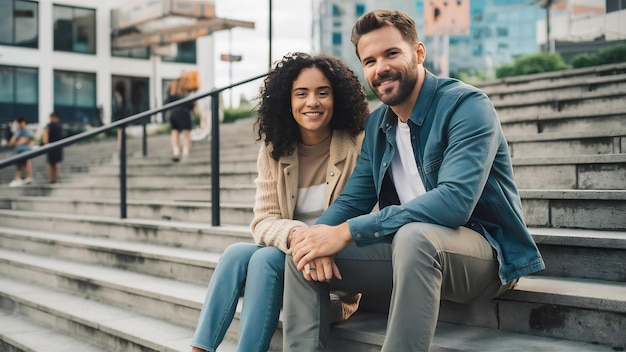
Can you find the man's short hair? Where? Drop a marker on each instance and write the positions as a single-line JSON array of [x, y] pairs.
[[379, 18]]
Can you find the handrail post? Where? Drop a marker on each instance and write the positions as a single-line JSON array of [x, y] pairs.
[[122, 158], [215, 159], [144, 139]]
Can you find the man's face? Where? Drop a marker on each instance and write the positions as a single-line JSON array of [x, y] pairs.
[[390, 64]]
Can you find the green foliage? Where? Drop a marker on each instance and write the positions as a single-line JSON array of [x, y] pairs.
[[532, 63], [242, 112], [609, 55], [470, 77], [369, 94]]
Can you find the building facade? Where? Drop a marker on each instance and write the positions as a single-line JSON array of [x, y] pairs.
[[57, 56], [499, 31]]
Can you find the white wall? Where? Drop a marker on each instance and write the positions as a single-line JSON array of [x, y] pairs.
[[562, 27]]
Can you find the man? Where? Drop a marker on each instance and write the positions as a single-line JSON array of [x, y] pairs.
[[22, 140], [52, 133], [450, 226]]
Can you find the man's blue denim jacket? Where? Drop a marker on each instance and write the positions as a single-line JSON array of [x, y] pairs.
[[463, 159]]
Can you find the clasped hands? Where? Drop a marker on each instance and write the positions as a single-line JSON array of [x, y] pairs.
[[313, 249]]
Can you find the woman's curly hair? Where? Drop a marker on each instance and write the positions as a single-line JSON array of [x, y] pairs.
[[276, 124]]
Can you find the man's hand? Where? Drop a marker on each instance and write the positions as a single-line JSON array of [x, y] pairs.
[[319, 241], [321, 269]]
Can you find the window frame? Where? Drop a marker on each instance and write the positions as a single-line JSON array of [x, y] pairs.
[[179, 58], [14, 105], [70, 113], [95, 29], [13, 25]]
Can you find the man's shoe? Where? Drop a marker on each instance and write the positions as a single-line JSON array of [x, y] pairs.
[[15, 183], [27, 181]]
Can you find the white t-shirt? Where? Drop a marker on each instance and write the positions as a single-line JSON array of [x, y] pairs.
[[406, 178]]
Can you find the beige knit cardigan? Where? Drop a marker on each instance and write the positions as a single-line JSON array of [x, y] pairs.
[[277, 187]]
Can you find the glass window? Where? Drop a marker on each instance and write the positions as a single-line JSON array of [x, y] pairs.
[[6, 84], [186, 53], [19, 87], [336, 10], [360, 9], [133, 53], [75, 96], [336, 38], [25, 85], [18, 23], [74, 29], [502, 32]]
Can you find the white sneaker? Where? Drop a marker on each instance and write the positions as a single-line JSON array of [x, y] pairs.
[[27, 181], [199, 135], [15, 183]]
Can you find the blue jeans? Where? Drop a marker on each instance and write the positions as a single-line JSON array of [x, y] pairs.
[[256, 272]]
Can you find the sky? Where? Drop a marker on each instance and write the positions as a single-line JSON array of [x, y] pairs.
[[291, 31]]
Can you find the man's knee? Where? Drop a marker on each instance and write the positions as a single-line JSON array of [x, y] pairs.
[[414, 241]]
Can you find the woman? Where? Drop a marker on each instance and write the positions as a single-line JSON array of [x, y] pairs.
[[180, 116], [311, 120]]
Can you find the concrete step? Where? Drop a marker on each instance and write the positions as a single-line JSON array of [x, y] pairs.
[[585, 101], [605, 171], [605, 118], [582, 253], [567, 143], [587, 209], [539, 80], [183, 264], [18, 334], [115, 328], [169, 178], [166, 299], [576, 253], [233, 213], [558, 89], [174, 169], [199, 236], [228, 194], [591, 209]]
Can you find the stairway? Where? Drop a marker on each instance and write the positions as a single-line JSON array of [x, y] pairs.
[[74, 276]]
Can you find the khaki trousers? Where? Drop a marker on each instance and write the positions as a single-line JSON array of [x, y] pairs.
[[423, 264]]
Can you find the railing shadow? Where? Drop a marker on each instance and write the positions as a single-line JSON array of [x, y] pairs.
[[123, 123]]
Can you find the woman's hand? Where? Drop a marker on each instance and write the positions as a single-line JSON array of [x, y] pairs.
[[321, 269]]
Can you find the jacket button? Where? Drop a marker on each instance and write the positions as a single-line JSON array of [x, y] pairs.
[[358, 235], [332, 174], [376, 234], [385, 164]]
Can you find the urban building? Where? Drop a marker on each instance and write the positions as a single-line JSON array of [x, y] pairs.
[[583, 26], [499, 31], [59, 56]]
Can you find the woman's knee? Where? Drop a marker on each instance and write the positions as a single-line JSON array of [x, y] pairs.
[[238, 253], [268, 258]]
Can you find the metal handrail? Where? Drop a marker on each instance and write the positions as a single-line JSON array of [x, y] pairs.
[[122, 123]]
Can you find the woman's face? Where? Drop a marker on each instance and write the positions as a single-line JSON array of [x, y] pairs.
[[312, 105]]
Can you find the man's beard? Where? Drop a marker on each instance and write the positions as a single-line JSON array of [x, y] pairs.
[[407, 80]]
